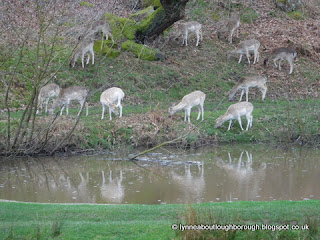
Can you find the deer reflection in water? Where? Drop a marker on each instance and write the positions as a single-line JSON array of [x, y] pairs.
[[113, 191], [191, 184], [248, 179]]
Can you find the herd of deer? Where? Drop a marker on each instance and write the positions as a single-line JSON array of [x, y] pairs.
[[112, 97]]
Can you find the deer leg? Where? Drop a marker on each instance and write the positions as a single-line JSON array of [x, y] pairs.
[[291, 66], [240, 58], [189, 110], [198, 37], [202, 111], [186, 38], [248, 55], [120, 107], [229, 124], [61, 111], [185, 114], [92, 53], [199, 112], [88, 59], [87, 108], [242, 92], [103, 109], [230, 36], [47, 102], [110, 113], [280, 64], [82, 60], [239, 120]]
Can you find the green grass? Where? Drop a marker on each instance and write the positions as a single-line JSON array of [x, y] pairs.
[[47, 221]]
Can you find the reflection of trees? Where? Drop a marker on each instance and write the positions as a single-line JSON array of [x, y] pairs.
[[191, 184], [247, 179], [113, 191]]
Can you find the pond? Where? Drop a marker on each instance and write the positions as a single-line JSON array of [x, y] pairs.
[[212, 174]]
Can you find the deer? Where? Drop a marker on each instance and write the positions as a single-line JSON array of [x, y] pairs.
[[85, 47], [112, 98], [229, 25], [183, 30], [236, 111], [247, 82], [245, 47], [103, 26], [190, 100], [282, 53], [46, 93], [70, 94]]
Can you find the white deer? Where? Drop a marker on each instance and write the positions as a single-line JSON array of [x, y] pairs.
[[236, 111], [46, 92], [70, 94], [246, 47], [183, 30], [112, 98], [229, 25], [283, 53], [247, 82], [86, 47], [190, 100]]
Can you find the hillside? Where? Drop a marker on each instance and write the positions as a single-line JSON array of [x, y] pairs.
[[152, 86]]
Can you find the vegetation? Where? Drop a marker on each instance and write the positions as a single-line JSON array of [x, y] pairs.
[[46, 221]]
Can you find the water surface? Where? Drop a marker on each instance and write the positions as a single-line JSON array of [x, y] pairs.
[[215, 174]]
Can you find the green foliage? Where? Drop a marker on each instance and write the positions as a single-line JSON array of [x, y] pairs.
[[86, 4], [139, 50], [297, 15]]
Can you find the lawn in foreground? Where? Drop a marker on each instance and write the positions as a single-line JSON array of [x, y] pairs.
[[84, 221]]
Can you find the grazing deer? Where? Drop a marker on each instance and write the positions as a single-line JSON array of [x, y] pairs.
[[184, 29], [246, 47], [236, 111], [229, 25], [112, 98], [85, 47], [283, 53], [69, 94], [247, 82], [190, 100], [47, 92], [102, 26]]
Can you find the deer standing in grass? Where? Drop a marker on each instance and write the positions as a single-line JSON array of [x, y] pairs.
[[67, 95], [86, 47], [283, 53], [103, 26], [183, 30], [46, 92], [190, 100], [236, 111], [229, 25], [246, 47], [112, 98], [247, 82]]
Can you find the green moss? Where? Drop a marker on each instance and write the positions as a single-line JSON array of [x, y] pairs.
[[121, 28], [86, 4], [155, 3], [297, 15], [151, 19], [139, 50], [106, 48]]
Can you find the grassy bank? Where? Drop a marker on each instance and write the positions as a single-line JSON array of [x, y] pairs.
[[47, 221], [274, 122]]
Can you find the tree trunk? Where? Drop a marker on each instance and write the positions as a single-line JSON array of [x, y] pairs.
[[173, 11]]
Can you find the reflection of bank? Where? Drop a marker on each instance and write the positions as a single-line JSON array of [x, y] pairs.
[[247, 179], [191, 183], [112, 191]]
